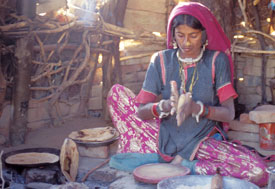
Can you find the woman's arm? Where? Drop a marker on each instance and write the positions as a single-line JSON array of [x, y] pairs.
[[223, 113], [145, 111]]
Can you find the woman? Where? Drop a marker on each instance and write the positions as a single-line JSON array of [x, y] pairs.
[[194, 79]]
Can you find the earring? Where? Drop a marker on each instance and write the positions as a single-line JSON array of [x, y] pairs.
[[205, 45], [175, 45]]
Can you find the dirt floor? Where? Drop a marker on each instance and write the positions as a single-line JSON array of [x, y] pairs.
[[53, 137]]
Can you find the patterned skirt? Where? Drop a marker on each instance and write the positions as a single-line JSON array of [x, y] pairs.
[[139, 136]]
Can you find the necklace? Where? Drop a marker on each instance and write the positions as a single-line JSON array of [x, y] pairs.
[[193, 81], [190, 60]]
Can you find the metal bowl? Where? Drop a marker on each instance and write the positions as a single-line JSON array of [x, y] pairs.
[[202, 180]]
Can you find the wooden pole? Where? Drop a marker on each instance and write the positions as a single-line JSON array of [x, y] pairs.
[[112, 13], [2, 89], [21, 92], [264, 56], [86, 90]]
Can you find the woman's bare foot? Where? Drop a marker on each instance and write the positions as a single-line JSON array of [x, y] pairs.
[[177, 160]]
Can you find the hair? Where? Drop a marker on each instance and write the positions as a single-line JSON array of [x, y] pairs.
[[191, 21]]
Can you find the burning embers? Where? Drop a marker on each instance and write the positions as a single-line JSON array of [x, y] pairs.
[[17, 177]]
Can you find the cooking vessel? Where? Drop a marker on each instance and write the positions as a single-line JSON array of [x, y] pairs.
[[202, 181], [97, 144], [27, 150]]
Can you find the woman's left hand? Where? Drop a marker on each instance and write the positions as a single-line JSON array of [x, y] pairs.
[[184, 107]]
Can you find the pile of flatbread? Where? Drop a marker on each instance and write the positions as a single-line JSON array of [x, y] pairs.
[[98, 134]]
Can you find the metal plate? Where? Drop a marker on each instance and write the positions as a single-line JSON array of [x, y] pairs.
[[203, 180]]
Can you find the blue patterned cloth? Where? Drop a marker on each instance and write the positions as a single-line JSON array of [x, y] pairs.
[[130, 161]]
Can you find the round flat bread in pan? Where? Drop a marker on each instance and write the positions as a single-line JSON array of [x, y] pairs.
[[155, 172], [98, 134], [29, 158]]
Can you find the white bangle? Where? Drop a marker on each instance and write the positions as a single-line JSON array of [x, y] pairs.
[[197, 116], [160, 105], [162, 113]]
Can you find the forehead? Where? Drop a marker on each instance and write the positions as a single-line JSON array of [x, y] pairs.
[[186, 29]]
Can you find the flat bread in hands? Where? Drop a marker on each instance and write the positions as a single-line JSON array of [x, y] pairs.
[[180, 115], [99, 134]]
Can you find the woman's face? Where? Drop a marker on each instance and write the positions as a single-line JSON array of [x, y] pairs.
[[188, 40]]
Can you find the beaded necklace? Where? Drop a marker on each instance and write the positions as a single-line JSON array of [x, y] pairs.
[[193, 81], [182, 74]]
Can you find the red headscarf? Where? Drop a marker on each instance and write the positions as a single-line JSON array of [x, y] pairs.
[[217, 40]]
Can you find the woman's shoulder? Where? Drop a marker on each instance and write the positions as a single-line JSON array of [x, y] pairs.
[[163, 53], [210, 54]]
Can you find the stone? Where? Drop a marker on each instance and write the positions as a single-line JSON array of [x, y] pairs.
[[263, 114], [243, 136], [236, 125], [41, 175], [93, 152], [244, 118]]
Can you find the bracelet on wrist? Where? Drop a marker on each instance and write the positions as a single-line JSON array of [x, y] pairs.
[[209, 111], [206, 111], [154, 110], [162, 114], [197, 116]]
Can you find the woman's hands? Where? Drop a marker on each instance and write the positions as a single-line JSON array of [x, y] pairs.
[[182, 105]]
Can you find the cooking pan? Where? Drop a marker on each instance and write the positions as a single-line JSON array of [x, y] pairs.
[[29, 150]]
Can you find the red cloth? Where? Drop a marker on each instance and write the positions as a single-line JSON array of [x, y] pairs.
[[217, 40]]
